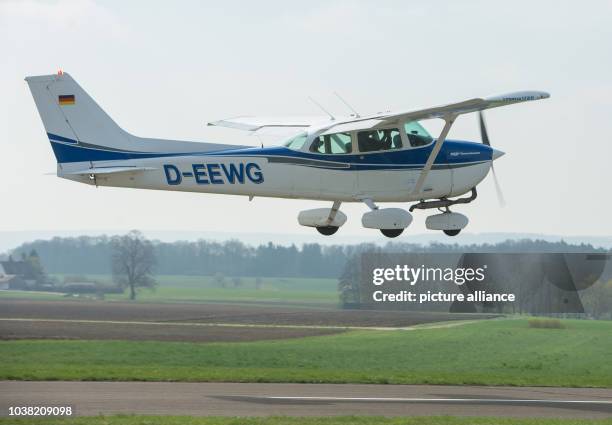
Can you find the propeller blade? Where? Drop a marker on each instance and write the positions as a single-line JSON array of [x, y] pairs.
[[500, 194], [484, 136]]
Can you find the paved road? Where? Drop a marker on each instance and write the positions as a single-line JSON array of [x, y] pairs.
[[238, 399]]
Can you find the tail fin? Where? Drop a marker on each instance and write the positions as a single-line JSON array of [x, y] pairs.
[[69, 114], [79, 130]]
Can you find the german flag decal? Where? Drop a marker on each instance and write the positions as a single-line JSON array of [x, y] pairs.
[[66, 99]]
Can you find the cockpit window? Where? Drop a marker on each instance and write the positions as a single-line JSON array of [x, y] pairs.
[[338, 143], [417, 135], [379, 140], [296, 142]]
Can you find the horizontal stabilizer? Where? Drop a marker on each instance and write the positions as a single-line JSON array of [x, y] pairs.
[[108, 170]]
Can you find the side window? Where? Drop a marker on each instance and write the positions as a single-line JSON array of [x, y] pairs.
[[417, 135], [336, 144], [379, 140], [296, 142]]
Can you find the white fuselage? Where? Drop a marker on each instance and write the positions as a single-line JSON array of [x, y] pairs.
[[277, 172]]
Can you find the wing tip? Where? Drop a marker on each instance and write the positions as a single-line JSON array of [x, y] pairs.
[[520, 96]]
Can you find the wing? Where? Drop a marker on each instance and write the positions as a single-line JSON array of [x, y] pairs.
[[257, 123], [108, 170], [449, 113], [361, 124], [465, 107], [249, 123]]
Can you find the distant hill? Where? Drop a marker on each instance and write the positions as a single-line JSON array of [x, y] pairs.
[[12, 239], [233, 257]]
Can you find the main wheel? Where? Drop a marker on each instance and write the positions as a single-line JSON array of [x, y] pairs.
[[327, 230], [391, 233], [453, 232]]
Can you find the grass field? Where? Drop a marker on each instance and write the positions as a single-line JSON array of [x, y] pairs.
[[494, 352], [205, 288], [342, 420], [31, 295]]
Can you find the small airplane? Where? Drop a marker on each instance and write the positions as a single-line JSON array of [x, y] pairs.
[[382, 157]]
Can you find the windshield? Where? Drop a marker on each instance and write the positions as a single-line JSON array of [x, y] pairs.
[[417, 135]]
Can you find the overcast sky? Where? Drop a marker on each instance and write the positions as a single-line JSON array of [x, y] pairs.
[[163, 69]]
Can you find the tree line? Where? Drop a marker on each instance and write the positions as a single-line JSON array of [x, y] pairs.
[[93, 255]]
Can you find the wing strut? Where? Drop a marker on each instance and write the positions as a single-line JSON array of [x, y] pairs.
[[333, 212], [449, 120]]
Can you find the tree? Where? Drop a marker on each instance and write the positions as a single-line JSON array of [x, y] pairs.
[[133, 261], [349, 283], [35, 268], [220, 279], [597, 300]]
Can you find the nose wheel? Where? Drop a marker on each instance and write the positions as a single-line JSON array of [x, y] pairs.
[[453, 232]]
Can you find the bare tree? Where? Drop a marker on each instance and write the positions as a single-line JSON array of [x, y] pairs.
[[133, 261]]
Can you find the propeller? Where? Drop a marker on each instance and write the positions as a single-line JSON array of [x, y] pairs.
[[484, 136]]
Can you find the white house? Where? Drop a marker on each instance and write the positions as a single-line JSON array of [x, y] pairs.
[[4, 278]]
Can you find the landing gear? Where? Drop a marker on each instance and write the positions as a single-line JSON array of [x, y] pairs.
[[327, 221], [391, 233], [390, 221], [451, 223], [444, 202], [327, 230]]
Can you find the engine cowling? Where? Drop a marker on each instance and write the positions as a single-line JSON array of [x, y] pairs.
[[387, 218], [317, 217], [446, 221]]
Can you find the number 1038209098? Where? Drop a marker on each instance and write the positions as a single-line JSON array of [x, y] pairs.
[[40, 411]]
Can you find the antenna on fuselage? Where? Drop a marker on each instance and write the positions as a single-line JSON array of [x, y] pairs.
[[347, 105], [331, 117], [259, 138]]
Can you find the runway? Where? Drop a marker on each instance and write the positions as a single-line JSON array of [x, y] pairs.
[[242, 399]]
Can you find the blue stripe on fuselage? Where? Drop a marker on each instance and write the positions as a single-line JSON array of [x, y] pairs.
[[453, 152]]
